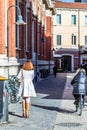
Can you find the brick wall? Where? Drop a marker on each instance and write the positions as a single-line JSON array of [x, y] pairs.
[[11, 21], [2, 28]]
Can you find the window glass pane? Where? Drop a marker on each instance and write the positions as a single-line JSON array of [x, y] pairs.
[[86, 40], [58, 18], [73, 40], [86, 19], [58, 39], [73, 19]]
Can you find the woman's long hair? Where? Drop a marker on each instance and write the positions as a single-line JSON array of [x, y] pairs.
[[28, 65]]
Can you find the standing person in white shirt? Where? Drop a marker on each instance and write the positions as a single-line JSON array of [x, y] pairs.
[[26, 90]]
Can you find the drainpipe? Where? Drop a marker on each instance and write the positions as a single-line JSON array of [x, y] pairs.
[[78, 37]]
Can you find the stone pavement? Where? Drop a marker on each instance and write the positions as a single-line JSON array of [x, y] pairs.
[[68, 119], [52, 109]]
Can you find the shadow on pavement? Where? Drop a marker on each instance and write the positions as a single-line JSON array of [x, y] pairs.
[[54, 109], [52, 86], [13, 114]]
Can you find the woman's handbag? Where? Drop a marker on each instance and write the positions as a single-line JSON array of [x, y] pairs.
[[21, 79]]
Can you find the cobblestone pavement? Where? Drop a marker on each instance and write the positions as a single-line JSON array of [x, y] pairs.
[[52, 109]]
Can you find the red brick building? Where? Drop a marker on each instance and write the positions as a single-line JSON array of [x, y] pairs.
[[32, 41]]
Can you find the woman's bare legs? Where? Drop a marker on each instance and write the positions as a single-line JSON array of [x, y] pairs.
[[27, 106], [23, 107]]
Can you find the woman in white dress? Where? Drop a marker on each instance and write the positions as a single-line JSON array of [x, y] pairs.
[[26, 90]]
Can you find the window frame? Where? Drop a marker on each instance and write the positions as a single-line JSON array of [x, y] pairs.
[[73, 19], [59, 40], [85, 19], [86, 40], [73, 40], [58, 18]]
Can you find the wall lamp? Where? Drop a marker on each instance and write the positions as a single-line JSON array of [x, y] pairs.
[[19, 21]]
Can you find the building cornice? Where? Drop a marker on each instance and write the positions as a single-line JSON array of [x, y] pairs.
[[70, 9], [71, 5]]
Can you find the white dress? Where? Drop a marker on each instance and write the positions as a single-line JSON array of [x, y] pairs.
[[26, 87]]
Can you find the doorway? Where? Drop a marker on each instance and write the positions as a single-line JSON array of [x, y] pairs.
[[66, 63]]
